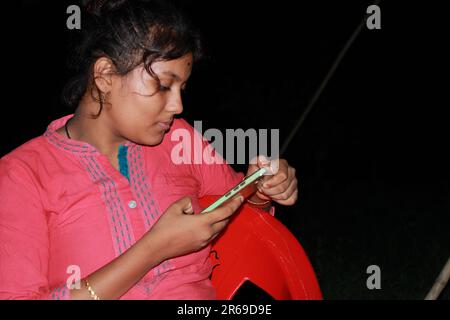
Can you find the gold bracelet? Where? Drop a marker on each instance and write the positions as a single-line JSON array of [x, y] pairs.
[[258, 203], [91, 291]]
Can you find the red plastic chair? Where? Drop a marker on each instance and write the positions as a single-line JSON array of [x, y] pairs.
[[256, 247]]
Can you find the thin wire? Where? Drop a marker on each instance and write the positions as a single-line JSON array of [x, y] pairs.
[[325, 81]]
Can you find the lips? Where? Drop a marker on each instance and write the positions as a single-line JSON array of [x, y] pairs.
[[165, 125]]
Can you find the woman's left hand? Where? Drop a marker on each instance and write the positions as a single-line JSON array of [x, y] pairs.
[[280, 187]]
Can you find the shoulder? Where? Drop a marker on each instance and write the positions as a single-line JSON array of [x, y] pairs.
[[26, 157]]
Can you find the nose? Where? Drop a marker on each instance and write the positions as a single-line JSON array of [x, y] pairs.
[[175, 105]]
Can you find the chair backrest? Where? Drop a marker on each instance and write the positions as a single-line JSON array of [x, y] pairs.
[[256, 247]]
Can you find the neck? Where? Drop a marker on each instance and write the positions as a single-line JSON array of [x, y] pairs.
[[95, 131]]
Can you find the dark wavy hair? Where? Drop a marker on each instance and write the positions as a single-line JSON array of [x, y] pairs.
[[129, 33]]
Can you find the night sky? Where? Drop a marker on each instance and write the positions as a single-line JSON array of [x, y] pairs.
[[371, 157]]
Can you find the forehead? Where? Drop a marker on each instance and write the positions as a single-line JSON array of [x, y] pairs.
[[179, 69]]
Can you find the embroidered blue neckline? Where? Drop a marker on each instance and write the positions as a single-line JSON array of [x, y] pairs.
[[123, 161]]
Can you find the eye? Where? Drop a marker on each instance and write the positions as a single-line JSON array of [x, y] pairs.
[[164, 88]]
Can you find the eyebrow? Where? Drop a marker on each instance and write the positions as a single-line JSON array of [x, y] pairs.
[[171, 74]]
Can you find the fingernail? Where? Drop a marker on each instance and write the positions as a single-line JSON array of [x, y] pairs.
[[264, 160], [241, 199]]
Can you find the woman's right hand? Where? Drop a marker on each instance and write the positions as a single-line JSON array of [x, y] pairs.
[[180, 231]]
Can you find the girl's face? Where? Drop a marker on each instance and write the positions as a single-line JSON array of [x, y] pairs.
[[140, 109]]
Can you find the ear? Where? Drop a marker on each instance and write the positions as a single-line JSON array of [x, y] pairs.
[[103, 71]]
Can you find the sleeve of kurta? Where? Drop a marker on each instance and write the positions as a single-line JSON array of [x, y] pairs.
[[24, 237], [217, 178], [216, 175]]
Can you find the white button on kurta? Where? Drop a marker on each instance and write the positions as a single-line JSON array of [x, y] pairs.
[[132, 204]]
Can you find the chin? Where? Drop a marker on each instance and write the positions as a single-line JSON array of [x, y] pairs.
[[154, 140], [150, 137]]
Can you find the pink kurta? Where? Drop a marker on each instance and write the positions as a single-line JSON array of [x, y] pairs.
[[63, 206]]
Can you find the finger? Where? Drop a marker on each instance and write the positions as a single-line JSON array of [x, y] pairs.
[[184, 204], [279, 174], [219, 226], [258, 162], [214, 236], [278, 189], [226, 210], [220, 229], [263, 161], [262, 196], [287, 193], [281, 187], [188, 209], [274, 166], [291, 200]]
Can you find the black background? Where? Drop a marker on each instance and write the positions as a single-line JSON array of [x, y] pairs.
[[372, 155]]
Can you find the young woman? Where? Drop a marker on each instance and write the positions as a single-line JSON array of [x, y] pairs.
[[98, 195]]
